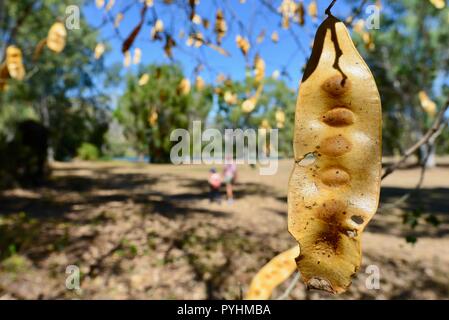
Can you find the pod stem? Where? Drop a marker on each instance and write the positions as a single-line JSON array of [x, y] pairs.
[[328, 10]]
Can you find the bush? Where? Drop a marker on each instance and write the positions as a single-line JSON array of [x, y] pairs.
[[88, 151]]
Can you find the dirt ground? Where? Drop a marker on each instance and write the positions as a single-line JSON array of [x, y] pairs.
[[140, 231]]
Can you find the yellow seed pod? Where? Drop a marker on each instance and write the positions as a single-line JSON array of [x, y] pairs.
[[300, 13], [184, 86], [259, 68], [220, 27], [14, 63], [152, 117], [199, 83], [335, 183], [312, 9], [280, 116], [143, 80], [275, 272], [243, 44], [439, 4], [110, 5], [56, 37], [196, 19], [137, 56], [275, 37], [265, 124], [127, 59], [118, 19], [99, 50], [230, 98], [99, 3], [427, 104], [249, 104]]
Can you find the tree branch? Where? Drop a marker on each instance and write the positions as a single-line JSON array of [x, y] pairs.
[[431, 134]]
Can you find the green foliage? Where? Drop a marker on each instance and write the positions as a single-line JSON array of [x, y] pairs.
[[410, 55], [162, 96], [88, 151]]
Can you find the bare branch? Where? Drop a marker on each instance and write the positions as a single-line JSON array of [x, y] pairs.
[[432, 133]]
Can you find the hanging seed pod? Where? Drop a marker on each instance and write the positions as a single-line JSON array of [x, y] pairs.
[[199, 83], [127, 59], [300, 13], [259, 68], [313, 9], [249, 104], [110, 5], [137, 55], [439, 4], [149, 3], [335, 184], [157, 29], [220, 27], [118, 19], [243, 44], [275, 37], [271, 275], [280, 116], [184, 87], [169, 44], [427, 104], [99, 3], [14, 63], [230, 98], [143, 80], [99, 50], [152, 118], [57, 37]]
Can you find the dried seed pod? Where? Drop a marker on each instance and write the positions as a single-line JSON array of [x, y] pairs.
[[199, 83], [127, 59], [275, 37], [14, 63], [427, 104], [184, 86], [230, 98], [313, 9], [143, 80], [335, 184], [118, 19], [99, 50], [249, 104], [220, 27], [259, 68], [243, 44], [56, 37], [275, 272]]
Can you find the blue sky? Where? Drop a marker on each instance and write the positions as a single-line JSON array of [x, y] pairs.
[[284, 54]]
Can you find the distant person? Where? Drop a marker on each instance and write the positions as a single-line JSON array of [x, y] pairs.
[[214, 184], [229, 175]]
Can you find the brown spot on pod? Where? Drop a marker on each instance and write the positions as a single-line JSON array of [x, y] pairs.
[[335, 146], [332, 211], [336, 86], [338, 117], [335, 176]]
